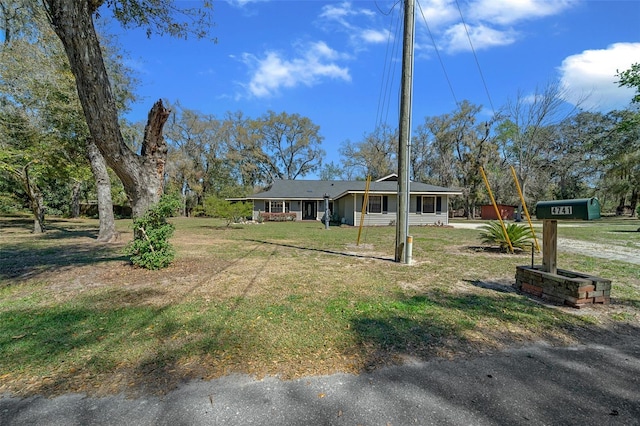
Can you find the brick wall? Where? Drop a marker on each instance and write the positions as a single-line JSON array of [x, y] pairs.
[[566, 287]]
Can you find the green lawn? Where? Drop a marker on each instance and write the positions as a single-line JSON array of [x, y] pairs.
[[288, 299]]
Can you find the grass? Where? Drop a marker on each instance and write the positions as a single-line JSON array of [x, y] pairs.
[[286, 299]]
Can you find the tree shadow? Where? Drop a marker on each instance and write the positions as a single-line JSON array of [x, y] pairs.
[[339, 253], [438, 323], [20, 261], [85, 343]]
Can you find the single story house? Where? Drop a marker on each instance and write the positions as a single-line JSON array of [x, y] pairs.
[[428, 204]]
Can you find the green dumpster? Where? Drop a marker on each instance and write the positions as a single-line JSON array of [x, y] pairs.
[[580, 208]]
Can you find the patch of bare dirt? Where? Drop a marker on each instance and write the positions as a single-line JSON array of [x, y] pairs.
[[603, 251]]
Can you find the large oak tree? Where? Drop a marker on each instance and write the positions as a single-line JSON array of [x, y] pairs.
[[141, 174]]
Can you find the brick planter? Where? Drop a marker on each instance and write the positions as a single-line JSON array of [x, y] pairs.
[[567, 287]]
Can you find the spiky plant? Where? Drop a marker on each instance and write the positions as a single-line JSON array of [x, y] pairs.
[[492, 233]]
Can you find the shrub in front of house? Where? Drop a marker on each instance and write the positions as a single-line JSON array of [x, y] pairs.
[[277, 217]]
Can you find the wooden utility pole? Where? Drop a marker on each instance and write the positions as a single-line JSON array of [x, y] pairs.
[[404, 145]]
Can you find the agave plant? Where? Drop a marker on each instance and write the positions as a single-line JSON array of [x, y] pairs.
[[492, 233]]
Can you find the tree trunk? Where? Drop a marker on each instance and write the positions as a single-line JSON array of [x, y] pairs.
[[107, 232], [75, 199], [634, 202], [141, 175], [36, 201]]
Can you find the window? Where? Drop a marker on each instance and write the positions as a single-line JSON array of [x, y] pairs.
[[276, 207], [428, 204], [375, 204]]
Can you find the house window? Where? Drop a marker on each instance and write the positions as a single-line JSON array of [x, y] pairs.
[[429, 205], [375, 204], [276, 206]]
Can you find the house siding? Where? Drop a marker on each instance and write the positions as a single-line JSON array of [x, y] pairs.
[[351, 213], [260, 206], [376, 219]]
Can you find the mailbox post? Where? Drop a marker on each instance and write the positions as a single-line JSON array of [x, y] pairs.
[[550, 246], [548, 281], [550, 212]]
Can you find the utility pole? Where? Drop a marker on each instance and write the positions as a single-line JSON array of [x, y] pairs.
[[404, 146]]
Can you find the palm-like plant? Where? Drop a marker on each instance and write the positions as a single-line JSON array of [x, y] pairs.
[[492, 233]]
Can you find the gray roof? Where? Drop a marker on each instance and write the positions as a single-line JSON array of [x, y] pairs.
[[315, 189]]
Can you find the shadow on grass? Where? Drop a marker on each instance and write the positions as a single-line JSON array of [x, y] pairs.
[[55, 228], [20, 261], [438, 323], [339, 253], [117, 340]]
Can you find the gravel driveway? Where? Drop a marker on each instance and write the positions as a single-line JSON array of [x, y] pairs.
[[603, 251]]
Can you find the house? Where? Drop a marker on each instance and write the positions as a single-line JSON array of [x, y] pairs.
[[428, 204]]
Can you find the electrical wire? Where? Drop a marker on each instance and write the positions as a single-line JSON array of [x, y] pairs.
[[476, 58], [388, 74], [435, 47]]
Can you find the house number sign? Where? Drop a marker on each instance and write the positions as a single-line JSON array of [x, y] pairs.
[[561, 210]]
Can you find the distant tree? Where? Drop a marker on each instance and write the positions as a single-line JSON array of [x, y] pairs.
[[620, 152], [375, 155], [331, 171], [631, 78], [244, 152], [290, 145], [41, 119], [472, 149], [573, 162], [525, 133], [432, 153], [53, 95]]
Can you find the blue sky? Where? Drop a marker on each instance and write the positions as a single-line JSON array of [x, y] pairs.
[[331, 61]]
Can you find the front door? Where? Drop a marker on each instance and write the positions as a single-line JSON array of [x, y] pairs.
[[309, 210]]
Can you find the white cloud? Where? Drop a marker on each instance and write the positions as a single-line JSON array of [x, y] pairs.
[[374, 36], [592, 73], [242, 3], [481, 36], [490, 22], [507, 12], [274, 72], [343, 17], [437, 13], [341, 11]]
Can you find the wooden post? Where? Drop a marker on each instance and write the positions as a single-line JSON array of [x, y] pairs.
[[550, 246], [404, 135]]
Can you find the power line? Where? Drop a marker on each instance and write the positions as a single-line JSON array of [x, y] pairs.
[[433, 41], [476, 58], [388, 74]]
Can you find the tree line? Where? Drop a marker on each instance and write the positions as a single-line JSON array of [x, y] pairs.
[[64, 90]]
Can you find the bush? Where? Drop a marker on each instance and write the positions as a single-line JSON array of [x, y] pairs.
[[520, 235], [276, 217], [150, 247], [10, 205], [233, 212]]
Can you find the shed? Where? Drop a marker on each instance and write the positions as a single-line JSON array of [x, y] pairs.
[[488, 212]]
